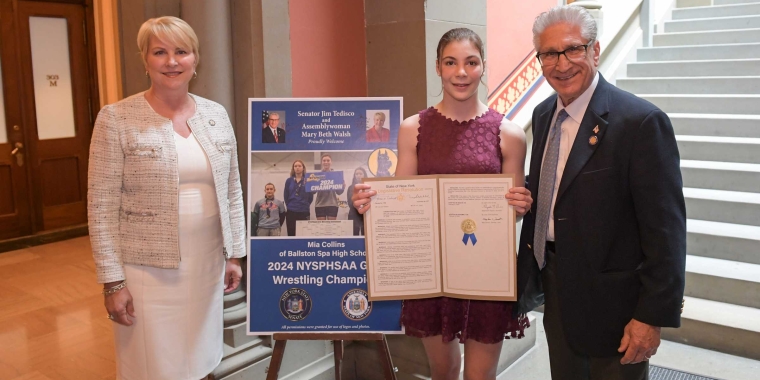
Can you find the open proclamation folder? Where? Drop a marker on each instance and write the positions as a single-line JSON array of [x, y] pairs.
[[441, 235]]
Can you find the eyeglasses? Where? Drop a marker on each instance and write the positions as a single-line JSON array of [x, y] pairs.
[[573, 53], [274, 119]]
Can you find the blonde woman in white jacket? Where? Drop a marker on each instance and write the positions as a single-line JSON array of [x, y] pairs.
[[166, 214]]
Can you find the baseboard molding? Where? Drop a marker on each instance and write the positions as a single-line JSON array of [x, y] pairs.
[[43, 238]]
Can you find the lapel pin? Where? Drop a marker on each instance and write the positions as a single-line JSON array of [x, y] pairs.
[[593, 140], [596, 129], [211, 123]]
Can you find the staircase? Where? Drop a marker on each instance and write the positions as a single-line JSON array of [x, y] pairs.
[[704, 71]]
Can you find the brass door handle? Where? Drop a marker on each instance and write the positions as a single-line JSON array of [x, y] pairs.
[[17, 152], [18, 146]]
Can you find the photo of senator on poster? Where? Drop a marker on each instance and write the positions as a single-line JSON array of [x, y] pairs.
[[273, 129]]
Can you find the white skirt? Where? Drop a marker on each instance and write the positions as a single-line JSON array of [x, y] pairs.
[[178, 325]]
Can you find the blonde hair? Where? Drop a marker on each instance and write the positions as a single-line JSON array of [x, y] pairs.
[[382, 116], [170, 30]]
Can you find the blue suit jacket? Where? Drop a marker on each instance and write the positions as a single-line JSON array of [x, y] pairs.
[[619, 222]]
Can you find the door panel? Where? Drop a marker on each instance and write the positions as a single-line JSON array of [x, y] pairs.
[[51, 74], [7, 196], [56, 98], [3, 131], [15, 211]]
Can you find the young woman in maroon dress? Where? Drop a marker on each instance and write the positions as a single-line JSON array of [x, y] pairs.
[[460, 135]]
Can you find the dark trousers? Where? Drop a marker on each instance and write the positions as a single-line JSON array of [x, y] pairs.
[[358, 227], [291, 217], [567, 364]]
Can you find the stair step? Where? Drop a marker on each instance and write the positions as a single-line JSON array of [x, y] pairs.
[[716, 125], [230, 351], [255, 371], [728, 10], [323, 368], [710, 103], [718, 175], [692, 3], [723, 149], [728, 241], [723, 281], [692, 85], [235, 298], [719, 23], [739, 36], [236, 314], [723, 206], [727, 2], [245, 359], [719, 326], [664, 69], [236, 335], [698, 53]]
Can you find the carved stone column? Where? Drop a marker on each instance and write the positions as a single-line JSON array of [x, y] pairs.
[[402, 36], [211, 21]]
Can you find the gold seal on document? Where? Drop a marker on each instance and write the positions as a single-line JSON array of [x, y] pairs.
[[468, 226], [400, 197]]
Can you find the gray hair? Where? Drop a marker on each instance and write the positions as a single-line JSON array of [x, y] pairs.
[[569, 14]]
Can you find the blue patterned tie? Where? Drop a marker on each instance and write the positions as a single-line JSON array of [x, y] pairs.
[[546, 189]]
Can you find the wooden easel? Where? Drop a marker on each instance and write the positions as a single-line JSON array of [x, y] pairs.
[[281, 339]]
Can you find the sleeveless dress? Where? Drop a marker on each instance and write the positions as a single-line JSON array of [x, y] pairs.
[[445, 146], [177, 332]]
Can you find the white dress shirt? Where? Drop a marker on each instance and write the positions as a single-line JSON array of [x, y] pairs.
[[570, 126], [274, 132]]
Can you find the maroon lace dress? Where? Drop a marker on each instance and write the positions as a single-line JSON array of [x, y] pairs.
[[445, 146]]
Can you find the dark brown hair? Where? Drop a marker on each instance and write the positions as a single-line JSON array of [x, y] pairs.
[[459, 34]]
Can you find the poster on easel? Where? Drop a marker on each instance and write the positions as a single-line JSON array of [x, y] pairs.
[[306, 264]]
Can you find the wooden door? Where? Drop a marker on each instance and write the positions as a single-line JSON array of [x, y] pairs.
[[15, 215], [55, 90]]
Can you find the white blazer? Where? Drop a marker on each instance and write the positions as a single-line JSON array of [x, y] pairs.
[[133, 185]]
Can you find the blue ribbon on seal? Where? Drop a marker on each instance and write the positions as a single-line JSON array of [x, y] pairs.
[[470, 237]]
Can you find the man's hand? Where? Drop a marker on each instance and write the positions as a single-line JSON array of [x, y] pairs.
[[640, 342], [520, 199]]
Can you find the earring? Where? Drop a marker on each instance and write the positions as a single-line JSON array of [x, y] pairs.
[[146, 74], [195, 75]]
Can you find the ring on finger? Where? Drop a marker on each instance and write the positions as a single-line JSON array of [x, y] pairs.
[[110, 316]]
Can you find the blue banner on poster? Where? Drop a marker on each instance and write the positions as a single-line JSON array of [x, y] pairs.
[[314, 285], [324, 125], [325, 181], [307, 270]]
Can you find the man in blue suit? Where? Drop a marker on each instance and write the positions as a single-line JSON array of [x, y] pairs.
[[605, 242], [272, 133]]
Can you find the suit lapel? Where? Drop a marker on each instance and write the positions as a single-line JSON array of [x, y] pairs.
[[583, 149], [540, 134]]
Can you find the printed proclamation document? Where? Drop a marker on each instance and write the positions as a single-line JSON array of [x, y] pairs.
[[443, 235]]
